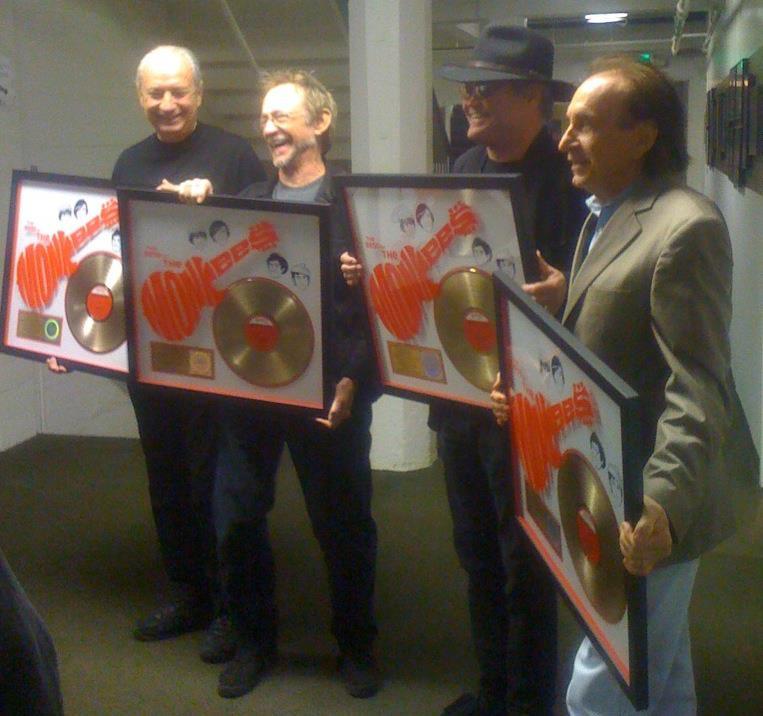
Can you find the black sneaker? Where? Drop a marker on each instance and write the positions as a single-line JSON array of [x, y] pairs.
[[244, 672], [360, 675], [219, 643], [471, 705], [172, 619]]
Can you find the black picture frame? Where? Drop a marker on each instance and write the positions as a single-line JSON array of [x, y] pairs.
[[732, 123], [201, 365], [47, 328], [447, 350], [569, 508]]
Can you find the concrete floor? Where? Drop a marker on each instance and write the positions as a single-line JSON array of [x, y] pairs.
[[76, 527]]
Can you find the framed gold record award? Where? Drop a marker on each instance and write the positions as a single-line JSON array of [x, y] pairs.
[[227, 297], [62, 284], [574, 428], [428, 245]]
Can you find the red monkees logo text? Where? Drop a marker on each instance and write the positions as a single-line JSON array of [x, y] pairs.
[[398, 290], [43, 264], [537, 427], [172, 300]]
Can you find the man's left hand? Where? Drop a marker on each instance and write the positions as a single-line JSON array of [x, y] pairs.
[[341, 407], [649, 542], [551, 290], [352, 269], [54, 366], [190, 191]]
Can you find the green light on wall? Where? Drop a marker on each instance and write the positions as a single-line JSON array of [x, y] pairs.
[[645, 57]]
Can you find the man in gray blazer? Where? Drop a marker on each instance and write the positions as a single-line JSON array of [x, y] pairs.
[[650, 294]]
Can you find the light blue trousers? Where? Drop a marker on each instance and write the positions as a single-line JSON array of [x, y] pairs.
[[593, 691]]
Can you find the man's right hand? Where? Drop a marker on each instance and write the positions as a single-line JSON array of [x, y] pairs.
[[498, 401], [352, 269], [190, 191], [649, 542]]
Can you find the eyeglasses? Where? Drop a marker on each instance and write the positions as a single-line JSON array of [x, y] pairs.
[[280, 119], [481, 90]]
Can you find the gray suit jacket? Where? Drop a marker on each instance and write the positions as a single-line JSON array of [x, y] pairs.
[[653, 300]]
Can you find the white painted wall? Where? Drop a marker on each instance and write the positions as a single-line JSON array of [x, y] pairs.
[[19, 380], [740, 34], [74, 110]]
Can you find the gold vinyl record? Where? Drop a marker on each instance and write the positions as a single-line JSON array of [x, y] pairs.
[[590, 529], [464, 314], [95, 304], [263, 332]]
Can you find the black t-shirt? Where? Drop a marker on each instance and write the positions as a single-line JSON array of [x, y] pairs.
[[226, 159]]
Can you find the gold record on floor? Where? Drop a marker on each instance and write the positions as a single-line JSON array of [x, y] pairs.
[[95, 304], [590, 529], [464, 314], [263, 332]]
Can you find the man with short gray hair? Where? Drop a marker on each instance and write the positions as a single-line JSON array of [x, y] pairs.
[[177, 430]]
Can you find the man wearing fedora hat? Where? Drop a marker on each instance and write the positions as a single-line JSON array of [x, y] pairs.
[[507, 96]]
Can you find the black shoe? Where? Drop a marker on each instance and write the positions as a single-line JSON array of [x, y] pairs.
[[172, 619], [360, 675], [471, 705], [219, 643], [242, 674]]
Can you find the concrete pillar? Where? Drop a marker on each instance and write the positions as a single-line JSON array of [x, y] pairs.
[[391, 109]]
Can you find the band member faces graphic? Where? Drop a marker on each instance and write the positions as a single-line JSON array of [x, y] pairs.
[[507, 264], [74, 215], [599, 460], [300, 276], [277, 265], [218, 232], [412, 221], [481, 251]]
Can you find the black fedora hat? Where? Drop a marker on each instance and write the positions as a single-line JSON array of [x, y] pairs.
[[507, 52]]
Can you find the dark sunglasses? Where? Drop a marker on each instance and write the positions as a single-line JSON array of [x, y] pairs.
[[481, 90]]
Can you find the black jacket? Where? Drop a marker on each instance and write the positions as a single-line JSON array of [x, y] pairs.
[[557, 209]]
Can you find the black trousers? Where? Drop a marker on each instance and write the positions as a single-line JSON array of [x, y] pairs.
[[512, 598], [335, 475], [178, 433], [29, 682]]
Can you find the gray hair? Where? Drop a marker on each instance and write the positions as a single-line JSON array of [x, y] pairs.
[[318, 99], [162, 51]]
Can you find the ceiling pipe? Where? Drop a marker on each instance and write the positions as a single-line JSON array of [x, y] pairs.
[[682, 12], [234, 26], [714, 14], [635, 43]]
